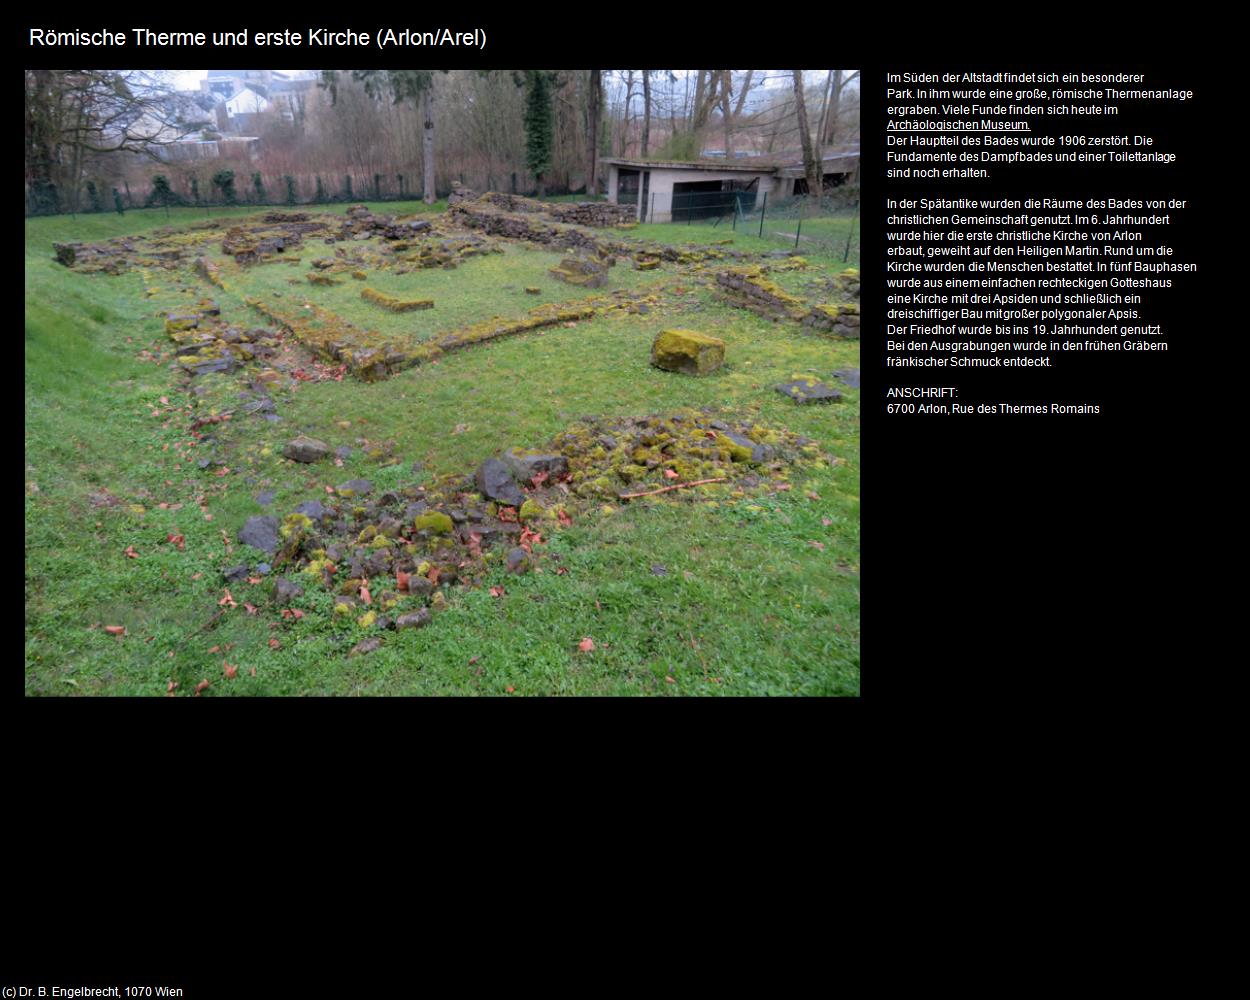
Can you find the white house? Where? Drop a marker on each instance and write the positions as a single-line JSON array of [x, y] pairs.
[[246, 102]]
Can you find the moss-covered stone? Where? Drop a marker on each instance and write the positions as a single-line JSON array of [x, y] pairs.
[[392, 304], [687, 351], [434, 521], [530, 509], [737, 452]]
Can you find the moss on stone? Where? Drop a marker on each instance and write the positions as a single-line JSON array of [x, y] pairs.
[[295, 524], [434, 521], [687, 351]]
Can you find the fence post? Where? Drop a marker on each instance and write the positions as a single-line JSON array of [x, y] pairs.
[[652, 219], [799, 231], [850, 234], [763, 206]]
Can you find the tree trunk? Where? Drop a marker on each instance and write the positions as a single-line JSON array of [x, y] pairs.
[[629, 99], [742, 96], [646, 110], [595, 103], [835, 99], [726, 87], [811, 165], [824, 109], [427, 143]]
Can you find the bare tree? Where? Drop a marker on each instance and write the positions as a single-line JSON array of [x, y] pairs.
[[811, 164], [838, 84], [646, 110], [73, 115], [401, 85], [594, 105]]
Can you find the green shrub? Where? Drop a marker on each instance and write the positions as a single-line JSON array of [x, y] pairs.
[[223, 180]]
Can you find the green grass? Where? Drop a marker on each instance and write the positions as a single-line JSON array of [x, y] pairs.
[[747, 598], [826, 245]]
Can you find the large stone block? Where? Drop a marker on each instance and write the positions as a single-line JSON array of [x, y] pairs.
[[687, 351]]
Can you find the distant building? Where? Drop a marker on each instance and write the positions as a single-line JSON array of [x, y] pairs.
[[241, 94], [668, 190]]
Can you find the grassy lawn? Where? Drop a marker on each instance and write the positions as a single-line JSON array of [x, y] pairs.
[[754, 597], [476, 289]]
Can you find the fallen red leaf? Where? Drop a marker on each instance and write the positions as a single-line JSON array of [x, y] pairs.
[[273, 644], [252, 671], [115, 629], [670, 474], [670, 680], [817, 545], [563, 518], [231, 670], [475, 659], [171, 687], [497, 591], [539, 478], [215, 649], [561, 570], [432, 575], [507, 514], [253, 580], [587, 645], [401, 580], [364, 592], [201, 686], [825, 521], [251, 608], [290, 613], [177, 540], [511, 689], [228, 600], [131, 553]]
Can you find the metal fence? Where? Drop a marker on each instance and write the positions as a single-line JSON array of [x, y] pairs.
[[829, 225], [272, 191]]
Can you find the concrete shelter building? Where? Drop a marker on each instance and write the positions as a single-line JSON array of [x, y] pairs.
[[665, 191]]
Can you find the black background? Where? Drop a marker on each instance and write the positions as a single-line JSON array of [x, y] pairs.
[[1016, 572]]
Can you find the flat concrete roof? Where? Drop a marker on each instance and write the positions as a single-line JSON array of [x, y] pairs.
[[752, 167]]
